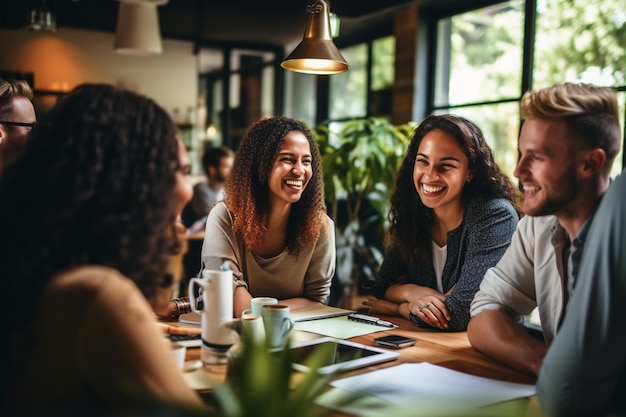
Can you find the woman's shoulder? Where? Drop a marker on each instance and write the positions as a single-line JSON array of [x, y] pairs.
[[220, 214], [91, 280], [219, 209], [329, 221], [490, 205]]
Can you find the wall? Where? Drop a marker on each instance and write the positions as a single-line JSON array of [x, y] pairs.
[[68, 57]]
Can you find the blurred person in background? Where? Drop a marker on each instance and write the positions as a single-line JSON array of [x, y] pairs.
[[17, 119], [217, 163]]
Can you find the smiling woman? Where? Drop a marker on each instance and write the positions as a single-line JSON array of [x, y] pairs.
[[272, 227], [453, 212]]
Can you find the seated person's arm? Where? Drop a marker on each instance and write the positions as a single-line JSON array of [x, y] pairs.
[[487, 235], [163, 306], [496, 334], [403, 293], [398, 294], [392, 288]]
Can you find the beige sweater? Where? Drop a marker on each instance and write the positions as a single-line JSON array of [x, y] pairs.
[[282, 276], [97, 347]]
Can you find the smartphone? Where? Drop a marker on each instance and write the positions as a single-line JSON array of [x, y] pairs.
[[394, 341]]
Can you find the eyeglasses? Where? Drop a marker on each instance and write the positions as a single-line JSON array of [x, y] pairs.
[[31, 125]]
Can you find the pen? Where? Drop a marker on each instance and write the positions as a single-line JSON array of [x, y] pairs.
[[370, 319]]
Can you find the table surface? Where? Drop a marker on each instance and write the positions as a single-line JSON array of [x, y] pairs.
[[451, 350]]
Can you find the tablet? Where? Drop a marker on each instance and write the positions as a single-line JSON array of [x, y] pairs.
[[346, 355]]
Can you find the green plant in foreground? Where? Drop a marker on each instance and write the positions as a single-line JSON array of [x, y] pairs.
[[262, 383]]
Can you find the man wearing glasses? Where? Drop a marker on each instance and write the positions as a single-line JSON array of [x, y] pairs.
[[17, 119]]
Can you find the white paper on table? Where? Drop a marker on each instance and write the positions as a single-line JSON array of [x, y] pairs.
[[338, 327], [412, 382]]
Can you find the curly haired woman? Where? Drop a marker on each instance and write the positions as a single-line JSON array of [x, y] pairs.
[[87, 223], [272, 226], [453, 212]]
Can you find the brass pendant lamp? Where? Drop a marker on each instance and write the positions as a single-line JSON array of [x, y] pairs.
[[317, 54]]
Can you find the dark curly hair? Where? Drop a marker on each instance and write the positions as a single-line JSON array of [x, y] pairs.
[[410, 220], [247, 191], [95, 185]]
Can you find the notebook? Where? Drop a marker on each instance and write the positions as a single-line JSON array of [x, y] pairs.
[[319, 311]]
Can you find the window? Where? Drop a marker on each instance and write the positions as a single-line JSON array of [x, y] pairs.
[[478, 73], [365, 90], [348, 91], [236, 88], [480, 56], [578, 43], [483, 62]]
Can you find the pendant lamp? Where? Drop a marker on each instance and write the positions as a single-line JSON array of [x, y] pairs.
[[317, 54], [138, 31]]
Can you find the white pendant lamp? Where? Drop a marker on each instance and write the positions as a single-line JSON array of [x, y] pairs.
[[138, 31]]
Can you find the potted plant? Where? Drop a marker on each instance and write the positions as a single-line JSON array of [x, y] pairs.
[[360, 159], [261, 382]]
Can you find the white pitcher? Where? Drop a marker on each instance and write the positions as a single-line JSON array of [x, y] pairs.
[[216, 288]]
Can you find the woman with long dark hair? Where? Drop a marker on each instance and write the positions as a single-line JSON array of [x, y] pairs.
[[453, 212], [87, 225]]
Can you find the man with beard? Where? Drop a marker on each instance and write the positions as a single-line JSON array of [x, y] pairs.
[[17, 119], [569, 139], [584, 371]]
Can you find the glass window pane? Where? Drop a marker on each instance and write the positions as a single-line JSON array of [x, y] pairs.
[[479, 55], [267, 91], [576, 42], [383, 62], [500, 126], [348, 91]]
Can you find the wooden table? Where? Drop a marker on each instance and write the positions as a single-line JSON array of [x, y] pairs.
[[450, 350]]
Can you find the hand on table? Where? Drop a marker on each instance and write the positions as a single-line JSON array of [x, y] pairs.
[[431, 310]]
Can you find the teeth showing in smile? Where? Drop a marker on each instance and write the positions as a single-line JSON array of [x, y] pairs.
[[530, 189], [431, 189], [294, 183]]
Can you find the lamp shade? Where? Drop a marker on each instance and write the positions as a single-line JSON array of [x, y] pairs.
[[138, 31], [317, 54], [42, 18]]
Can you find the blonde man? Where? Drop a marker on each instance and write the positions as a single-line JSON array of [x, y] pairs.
[[17, 119], [567, 145]]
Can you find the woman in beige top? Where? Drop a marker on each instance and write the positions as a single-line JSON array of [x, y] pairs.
[[87, 223], [272, 227]]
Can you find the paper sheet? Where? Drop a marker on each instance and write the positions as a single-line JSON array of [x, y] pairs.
[[338, 327], [410, 389]]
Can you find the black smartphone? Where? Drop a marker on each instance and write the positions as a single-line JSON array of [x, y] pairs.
[[394, 341]]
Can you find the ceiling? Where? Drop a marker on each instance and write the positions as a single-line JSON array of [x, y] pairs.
[[244, 22]]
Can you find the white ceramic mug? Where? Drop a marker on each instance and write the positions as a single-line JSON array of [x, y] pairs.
[[257, 303], [179, 351], [277, 324], [252, 326]]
